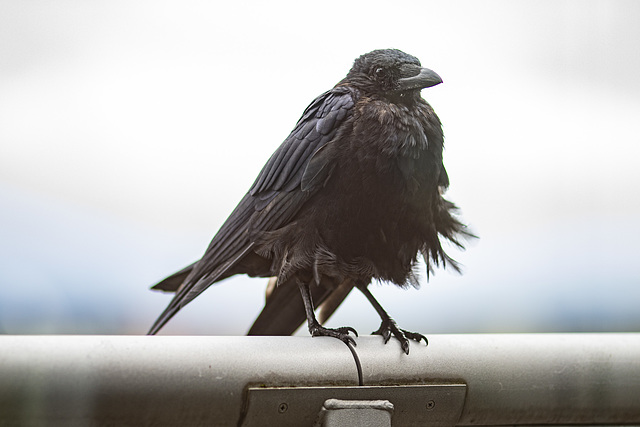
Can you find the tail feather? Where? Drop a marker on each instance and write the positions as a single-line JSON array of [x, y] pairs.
[[284, 311]]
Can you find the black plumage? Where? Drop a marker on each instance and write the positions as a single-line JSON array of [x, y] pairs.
[[353, 194]]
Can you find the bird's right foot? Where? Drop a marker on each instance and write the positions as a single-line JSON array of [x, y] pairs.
[[341, 333]]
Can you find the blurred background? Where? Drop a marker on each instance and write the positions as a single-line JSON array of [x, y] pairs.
[[130, 130]]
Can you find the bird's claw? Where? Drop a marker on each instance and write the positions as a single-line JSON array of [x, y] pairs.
[[341, 333], [389, 327]]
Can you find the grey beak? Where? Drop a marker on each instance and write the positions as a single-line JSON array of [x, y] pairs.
[[425, 78]]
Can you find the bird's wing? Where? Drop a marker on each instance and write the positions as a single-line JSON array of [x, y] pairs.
[[273, 199], [173, 282], [318, 125]]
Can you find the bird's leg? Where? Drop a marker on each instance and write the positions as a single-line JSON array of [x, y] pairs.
[[317, 330], [389, 326]]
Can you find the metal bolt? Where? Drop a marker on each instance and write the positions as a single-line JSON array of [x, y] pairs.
[[430, 405], [283, 408]]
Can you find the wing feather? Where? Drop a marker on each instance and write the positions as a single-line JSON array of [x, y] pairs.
[[272, 201]]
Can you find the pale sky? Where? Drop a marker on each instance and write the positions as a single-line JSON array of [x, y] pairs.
[[157, 116]]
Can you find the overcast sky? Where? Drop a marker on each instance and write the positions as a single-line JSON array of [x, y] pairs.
[[155, 117]]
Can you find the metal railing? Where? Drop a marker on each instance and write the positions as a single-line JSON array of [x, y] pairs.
[[510, 379]]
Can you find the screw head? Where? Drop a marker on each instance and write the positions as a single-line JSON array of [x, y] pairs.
[[282, 408], [430, 405]]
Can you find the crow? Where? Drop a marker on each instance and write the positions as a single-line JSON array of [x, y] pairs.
[[353, 194]]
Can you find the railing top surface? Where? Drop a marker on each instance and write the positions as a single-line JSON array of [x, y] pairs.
[[510, 378]]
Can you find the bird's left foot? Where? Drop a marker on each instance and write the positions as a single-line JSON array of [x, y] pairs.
[[389, 327], [342, 333]]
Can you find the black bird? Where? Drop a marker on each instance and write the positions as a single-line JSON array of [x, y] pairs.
[[353, 194]]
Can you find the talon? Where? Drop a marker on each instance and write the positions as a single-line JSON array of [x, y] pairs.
[[340, 333], [415, 336], [405, 346], [389, 327], [347, 339], [348, 329], [386, 334]]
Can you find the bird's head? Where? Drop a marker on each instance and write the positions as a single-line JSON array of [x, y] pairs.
[[391, 73]]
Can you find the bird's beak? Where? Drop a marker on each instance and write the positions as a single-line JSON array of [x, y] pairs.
[[425, 78]]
